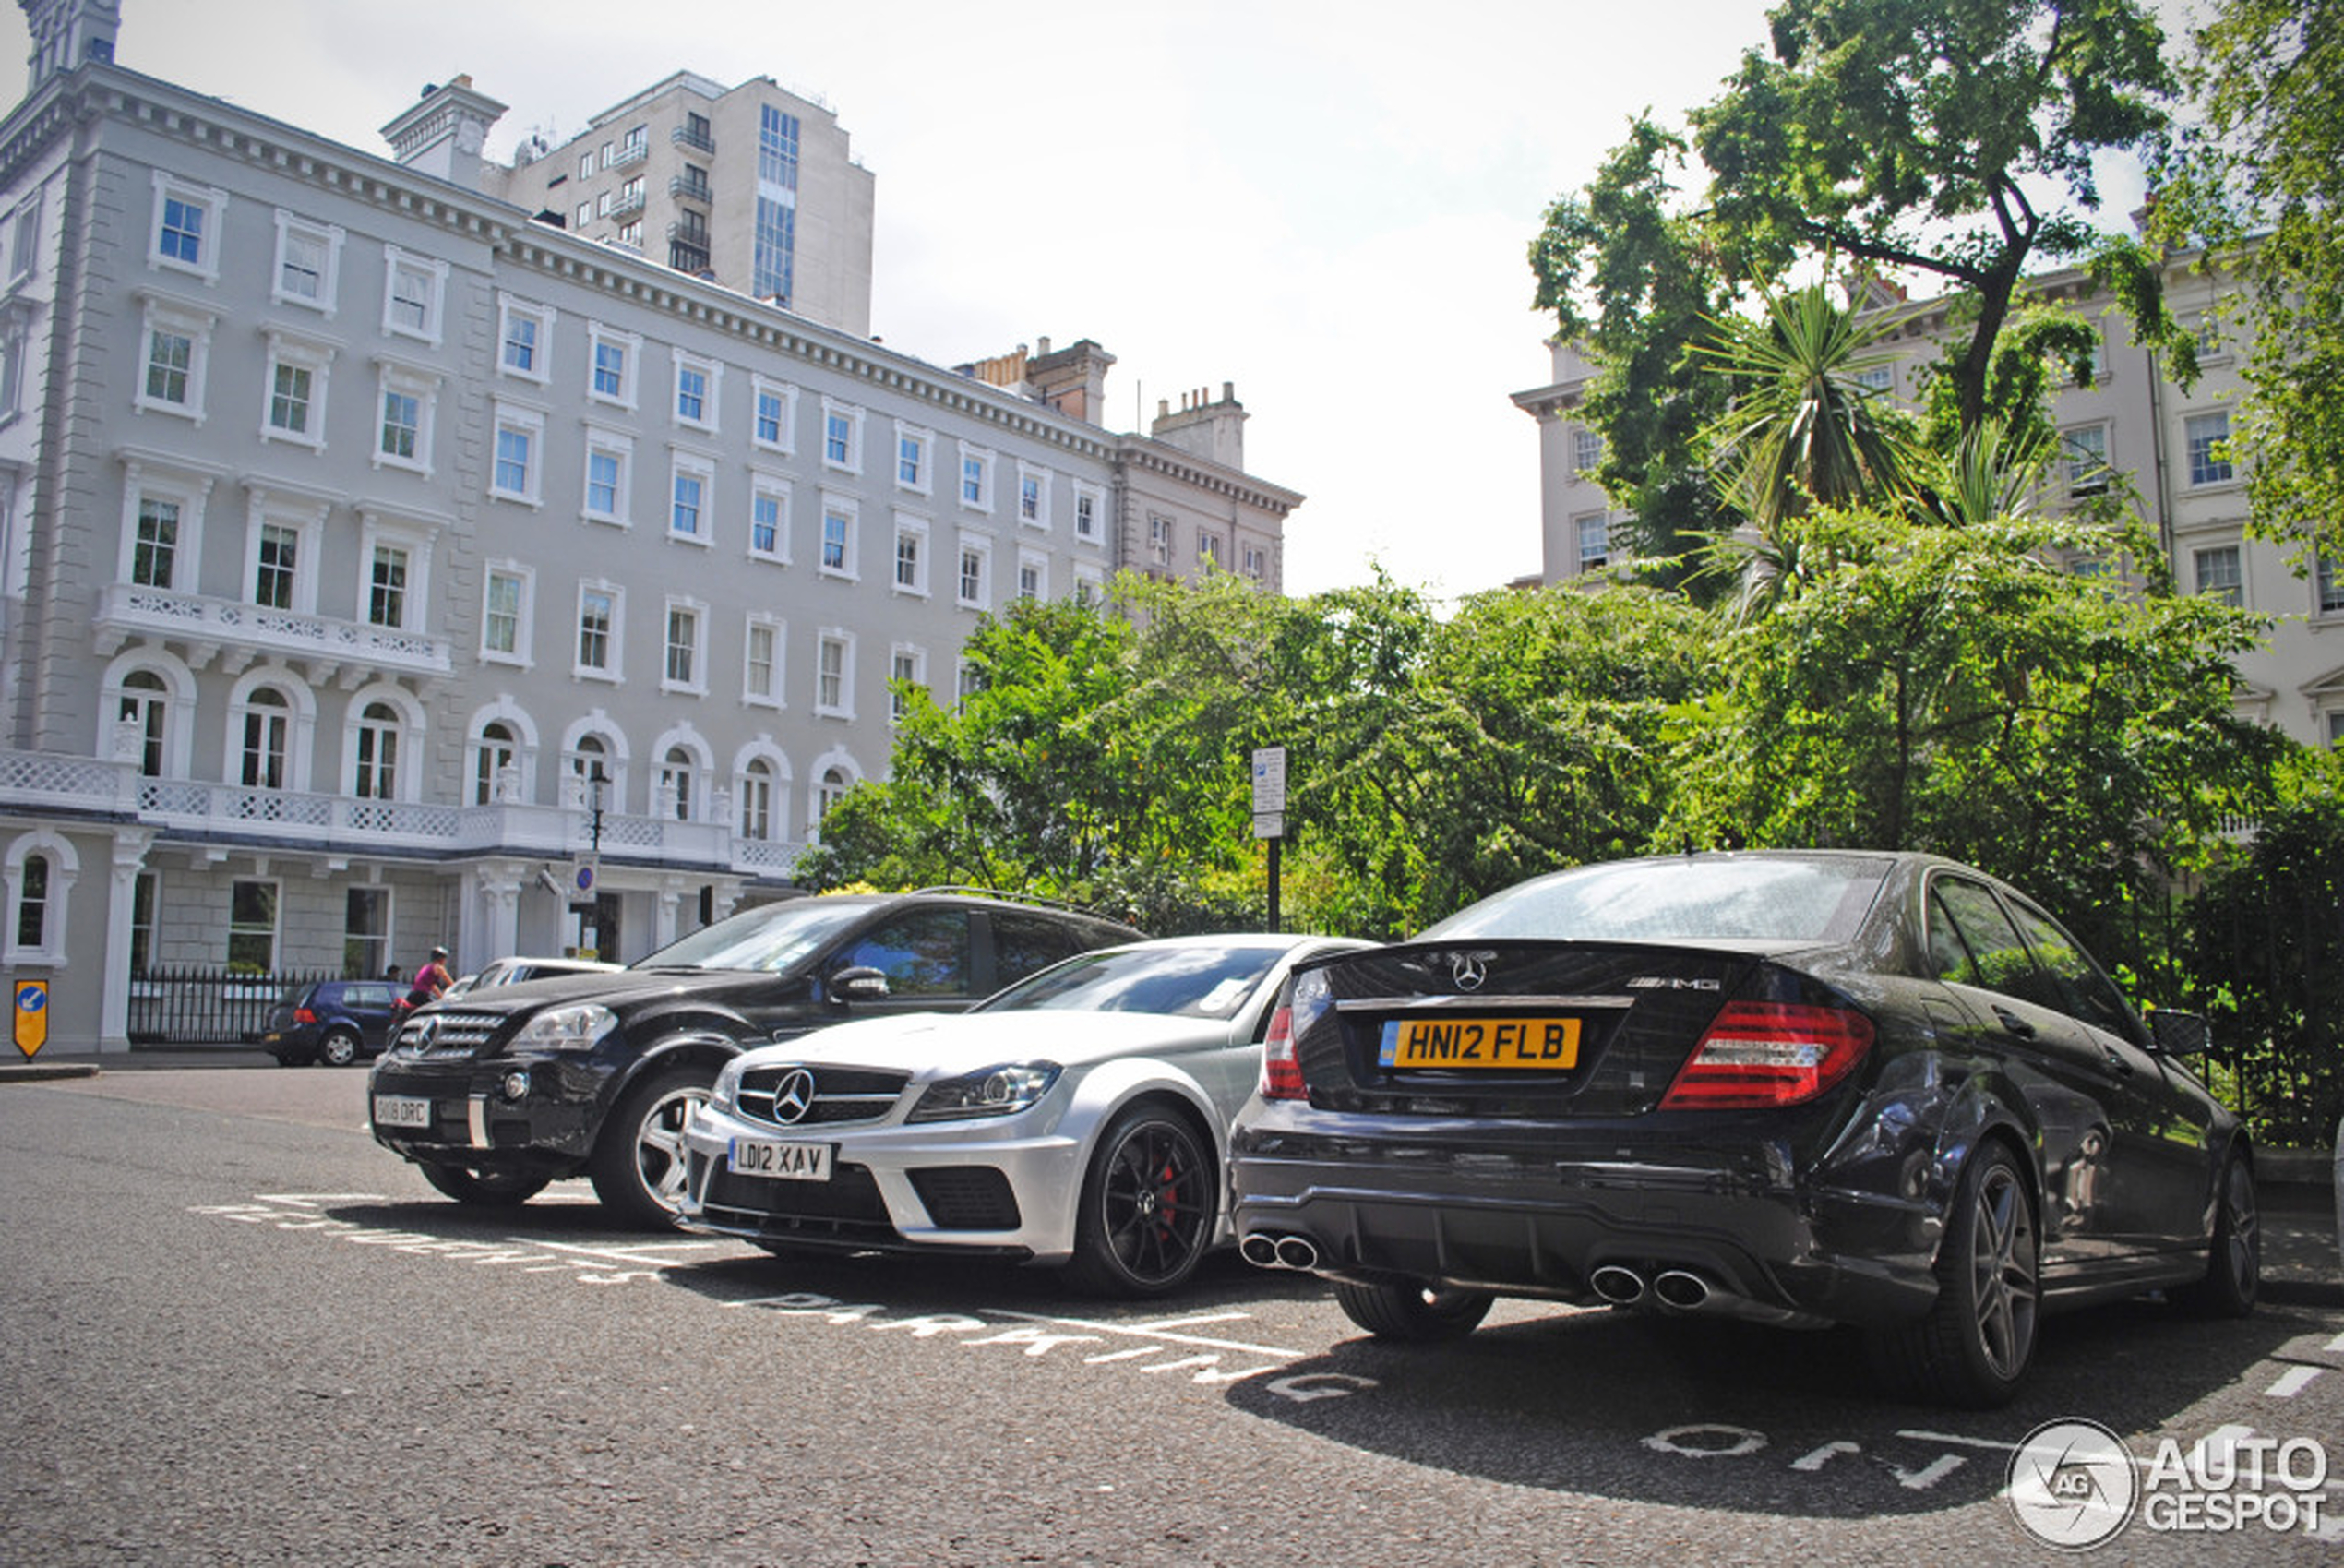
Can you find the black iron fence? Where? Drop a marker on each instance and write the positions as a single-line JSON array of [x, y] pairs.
[[208, 1006]]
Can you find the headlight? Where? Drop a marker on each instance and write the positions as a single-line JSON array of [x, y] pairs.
[[995, 1091], [574, 1028]]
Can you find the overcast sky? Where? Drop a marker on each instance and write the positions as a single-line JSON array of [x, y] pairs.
[[1326, 205]]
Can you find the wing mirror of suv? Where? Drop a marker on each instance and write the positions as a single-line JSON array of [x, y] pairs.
[[2180, 1034], [858, 981]]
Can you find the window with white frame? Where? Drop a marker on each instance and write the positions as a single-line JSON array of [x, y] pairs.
[[611, 357], [756, 798], [775, 424], [12, 354], [678, 784], [1090, 512], [1090, 584], [768, 497], [2329, 587], [154, 557], [496, 756], [610, 456], [967, 681], [413, 291], [174, 349], [976, 478], [279, 559], [697, 382], [308, 270], [2213, 341], [839, 536], [1032, 575], [1159, 539], [505, 628], [143, 716], [586, 164], [524, 339], [264, 722], [974, 589], [598, 649], [41, 870], [684, 669], [2336, 729], [842, 437], [24, 238], [761, 683], [692, 492], [1208, 549], [913, 462], [834, 674], [911, 555], [387, 586], [189, 220], [2219, 571], [1257, 562], [161, 527], [252, 926], [1593, 532], [1871, 377], [516, 453], [1033, 496], [374, 754], [2206, 437], [2084, 458], [408, 398], [585, 215], [906, 672], [294, 406], [1586, 449]]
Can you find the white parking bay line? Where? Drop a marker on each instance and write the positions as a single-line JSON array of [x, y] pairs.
[[2292, 1382], [1146, 1331]]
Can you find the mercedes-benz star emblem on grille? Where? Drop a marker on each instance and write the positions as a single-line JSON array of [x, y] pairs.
[[794, 1095], [425, 1032], [1469, 970]]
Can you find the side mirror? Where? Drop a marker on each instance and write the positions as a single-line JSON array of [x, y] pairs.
[[858, 981], [2180, 1034]]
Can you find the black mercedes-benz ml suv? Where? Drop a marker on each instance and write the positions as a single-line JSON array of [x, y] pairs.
[[496, 1093]]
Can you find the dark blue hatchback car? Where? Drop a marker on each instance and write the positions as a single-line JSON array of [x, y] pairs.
[[335, 1022]]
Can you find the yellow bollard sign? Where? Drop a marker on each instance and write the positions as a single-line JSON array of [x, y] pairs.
[[32, 1015]]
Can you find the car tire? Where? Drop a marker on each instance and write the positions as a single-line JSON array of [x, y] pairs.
[[1974, 1346], [1413, 1315], [1150, 1202], [339, 1048], [2234, 1261], [637, 1164], [483, 1188]]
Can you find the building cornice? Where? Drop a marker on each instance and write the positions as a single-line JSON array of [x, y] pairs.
[[1151, 456]]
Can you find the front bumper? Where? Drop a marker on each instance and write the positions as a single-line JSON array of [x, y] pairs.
[[1002, 1188], [1388, 1199], [476, 1120]]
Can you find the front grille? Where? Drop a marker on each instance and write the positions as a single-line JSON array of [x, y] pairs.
[[847, 1207], [841, 1094], [966, 1197], [443, 1037]]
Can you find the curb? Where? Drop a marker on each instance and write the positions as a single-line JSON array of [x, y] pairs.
[[34, 1072]]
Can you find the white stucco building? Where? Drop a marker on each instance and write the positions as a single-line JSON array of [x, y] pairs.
[[373, 552]]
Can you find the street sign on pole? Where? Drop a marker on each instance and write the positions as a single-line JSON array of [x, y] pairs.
[[1269, 784], [33, 1016]]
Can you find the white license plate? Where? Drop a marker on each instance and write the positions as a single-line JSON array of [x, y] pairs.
[[402, 1110], [782, 1162]]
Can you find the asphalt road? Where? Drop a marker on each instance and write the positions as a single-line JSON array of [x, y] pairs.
[[237, 1332]]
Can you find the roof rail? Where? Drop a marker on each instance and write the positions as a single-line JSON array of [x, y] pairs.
[[1034, 899]]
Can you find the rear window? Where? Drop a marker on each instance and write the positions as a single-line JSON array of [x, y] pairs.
[[1690, 899], [1183, 982]]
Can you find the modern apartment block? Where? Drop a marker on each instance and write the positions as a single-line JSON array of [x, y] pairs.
[[752, 186], [2130, 423], [376, 558]]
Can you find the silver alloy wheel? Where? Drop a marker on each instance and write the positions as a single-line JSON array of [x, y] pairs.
[[2002, 1263], [659, 1145], [339, 1048]]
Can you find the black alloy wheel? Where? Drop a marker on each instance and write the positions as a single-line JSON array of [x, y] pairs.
[[2234, 1259], [1149, 1203], [485, 1189], [1975, 1345], [1413, 1315]]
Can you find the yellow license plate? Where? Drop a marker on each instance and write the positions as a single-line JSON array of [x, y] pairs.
[[1512, 1044]]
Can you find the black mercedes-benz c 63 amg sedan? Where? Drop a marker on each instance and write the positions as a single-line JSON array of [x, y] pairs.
[[1806, 1089]]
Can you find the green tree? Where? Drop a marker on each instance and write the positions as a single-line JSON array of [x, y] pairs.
[[2268, 161], [1949, 689]]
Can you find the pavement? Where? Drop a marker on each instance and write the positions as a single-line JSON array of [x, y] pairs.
[[2297, 1188]]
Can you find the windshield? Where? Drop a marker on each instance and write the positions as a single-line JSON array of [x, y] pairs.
[[770, 939], [1697, 900], [1184, 982]]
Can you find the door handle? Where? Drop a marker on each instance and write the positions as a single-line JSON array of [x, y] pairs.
[[2015, 1024], [2116, 1061]]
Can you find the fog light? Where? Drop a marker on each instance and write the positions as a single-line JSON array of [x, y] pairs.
[[516, 1086]]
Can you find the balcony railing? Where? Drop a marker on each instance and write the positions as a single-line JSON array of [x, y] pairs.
[[633, 152], [206, 624], [691, 137], [690, 187], [33, 783], [627, 204]]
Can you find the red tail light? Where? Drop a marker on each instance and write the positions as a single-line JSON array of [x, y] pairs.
[[1759, 1054], [304, 1015], [1280, 1074]]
